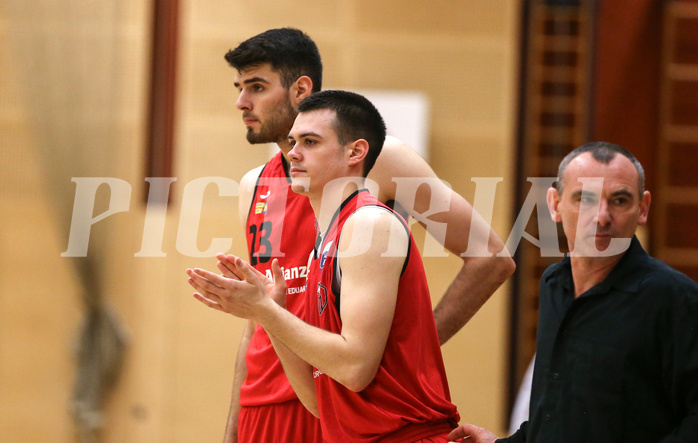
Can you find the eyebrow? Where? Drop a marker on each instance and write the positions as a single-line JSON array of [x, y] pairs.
[[252, 80], [306, 134], [580, 192], [622, 192]]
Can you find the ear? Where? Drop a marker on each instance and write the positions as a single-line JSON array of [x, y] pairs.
[[357, 151], [644, 207], [300, 89], [553, 199]]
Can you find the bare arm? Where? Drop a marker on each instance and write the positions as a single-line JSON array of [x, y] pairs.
[[247, 185], [481, 274], [369, 292], [299, 374], [231, 429], [245, 200]]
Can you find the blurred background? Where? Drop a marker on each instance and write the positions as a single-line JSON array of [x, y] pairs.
[[111, 347]]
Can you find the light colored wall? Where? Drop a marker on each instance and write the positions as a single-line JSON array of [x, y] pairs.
[[74, 93]]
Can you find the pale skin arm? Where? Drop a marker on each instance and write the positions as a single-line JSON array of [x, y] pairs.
[[369, 293], [298, 372], [479, 276], [245, 200], [472, 434], [231, 429]]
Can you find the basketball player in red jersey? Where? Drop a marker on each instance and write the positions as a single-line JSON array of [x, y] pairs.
[[368, 361], [275, 70]]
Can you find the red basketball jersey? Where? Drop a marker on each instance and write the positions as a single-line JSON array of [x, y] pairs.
[[409, 397], [280, 224]]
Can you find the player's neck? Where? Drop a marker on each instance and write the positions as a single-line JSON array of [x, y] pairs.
[[328, 201], [285, 148]]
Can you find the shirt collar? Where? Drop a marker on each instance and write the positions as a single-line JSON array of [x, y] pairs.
[[622, 277], [321, 236]]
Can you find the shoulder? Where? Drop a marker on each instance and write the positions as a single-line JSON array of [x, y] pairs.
[[252, 175], [396, 161], [554, 278], [395, 151], [376, 218], [670, 295], [249, 180], [395, 145], [377, 214], [552, 271], [658, 277], [247, 186], [374, 227]]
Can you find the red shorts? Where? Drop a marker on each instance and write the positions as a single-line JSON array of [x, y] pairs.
[[283, 422], [434, 439], [434, 432]]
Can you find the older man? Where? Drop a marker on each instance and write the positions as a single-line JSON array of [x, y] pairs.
[[617, 345]]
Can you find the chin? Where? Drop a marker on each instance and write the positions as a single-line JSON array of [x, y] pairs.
[[257, 138], [299, 189], [256, 141]]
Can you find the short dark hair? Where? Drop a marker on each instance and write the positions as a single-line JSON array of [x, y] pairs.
[[355, 118], [603, 152], [290, 52]]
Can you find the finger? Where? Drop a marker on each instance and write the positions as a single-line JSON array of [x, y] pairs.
[[464, 431], [260, 275], [457, 433], [279, 279], [230, 258], [203, 276], [228, 270], [250, 274], [203, 291], [229, 261], [207, 302], [276, 269], [196, 279], [225, 261], [208, 283]]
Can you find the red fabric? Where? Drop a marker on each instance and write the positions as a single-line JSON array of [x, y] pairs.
[[281, 422], [268, 237], [433, 432], [434, 439], [410, 386]]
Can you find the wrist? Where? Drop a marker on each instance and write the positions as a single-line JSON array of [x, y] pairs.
[[266, 311]]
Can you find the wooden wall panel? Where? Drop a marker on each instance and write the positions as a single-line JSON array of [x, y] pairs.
[[627, 70], [79, 76], [676, 197], [554, 118]]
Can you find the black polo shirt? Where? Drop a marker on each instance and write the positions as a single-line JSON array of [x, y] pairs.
[[620, 362]]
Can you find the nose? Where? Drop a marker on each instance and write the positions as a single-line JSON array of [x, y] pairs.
[[604, 216], [294, 154], [243, 103]]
